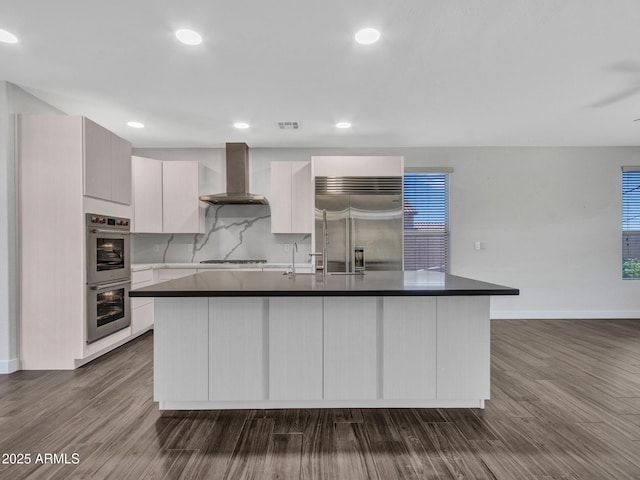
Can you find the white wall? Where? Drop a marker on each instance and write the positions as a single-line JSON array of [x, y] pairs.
[[549, 218], [550, 221], [12, 100]]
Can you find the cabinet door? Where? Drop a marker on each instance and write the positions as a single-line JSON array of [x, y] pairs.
[[147, 191], [236, 348], [280, 200], [181, 208], [301, 197], [291, 197], [356, 166], [97, 160], [141, 315], [120, 170], [409, 347], [350, 348], [295, 348], [181, 350], [463, 347]]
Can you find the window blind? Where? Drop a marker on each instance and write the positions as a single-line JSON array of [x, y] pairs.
[[631, 223], [426, 221]]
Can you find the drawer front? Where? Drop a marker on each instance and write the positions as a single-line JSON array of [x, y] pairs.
[[137, 302], [141, 276]]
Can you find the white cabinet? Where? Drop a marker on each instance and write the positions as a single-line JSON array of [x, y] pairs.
[[107, 164], [236, 348], [409, 329], [463, 358], [141, 307], [182, 210], [181, 349], [357, 166], [121, 181], [291, 197], [350, 348], [97, 160], [147, 195], [295, 348], [166, 196], [322, 352], [61, 159]]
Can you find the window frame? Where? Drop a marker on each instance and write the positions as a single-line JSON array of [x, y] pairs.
[[632, 204], [446, 171]]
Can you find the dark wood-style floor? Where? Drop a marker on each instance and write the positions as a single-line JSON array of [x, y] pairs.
[[565, 405]]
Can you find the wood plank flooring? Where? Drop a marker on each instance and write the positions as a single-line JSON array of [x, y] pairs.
[[565, 405]]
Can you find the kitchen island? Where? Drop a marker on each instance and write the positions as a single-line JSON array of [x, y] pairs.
[[227, 340]]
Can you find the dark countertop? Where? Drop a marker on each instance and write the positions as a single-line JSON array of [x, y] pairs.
[[275, 284]]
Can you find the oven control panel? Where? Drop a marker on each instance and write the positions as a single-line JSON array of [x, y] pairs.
[[105, 221]]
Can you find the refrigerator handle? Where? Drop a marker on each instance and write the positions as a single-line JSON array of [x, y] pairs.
[[347, 247]]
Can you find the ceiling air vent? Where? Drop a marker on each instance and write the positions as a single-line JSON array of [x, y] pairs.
[[288, 125]]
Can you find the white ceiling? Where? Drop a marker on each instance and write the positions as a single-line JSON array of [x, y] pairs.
[[445, 72]]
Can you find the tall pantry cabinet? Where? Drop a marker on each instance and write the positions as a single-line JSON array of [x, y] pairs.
[[67, 166]]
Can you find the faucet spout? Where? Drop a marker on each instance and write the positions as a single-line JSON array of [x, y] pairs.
[[294, 249]]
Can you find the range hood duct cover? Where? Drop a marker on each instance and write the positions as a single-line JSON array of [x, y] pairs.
[[237, 180]]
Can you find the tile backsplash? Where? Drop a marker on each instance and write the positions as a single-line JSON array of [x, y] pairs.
[[233, 232]]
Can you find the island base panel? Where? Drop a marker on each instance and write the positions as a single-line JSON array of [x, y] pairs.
[[327, 352]]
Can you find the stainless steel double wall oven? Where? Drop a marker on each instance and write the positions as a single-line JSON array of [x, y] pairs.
[[108, 275]]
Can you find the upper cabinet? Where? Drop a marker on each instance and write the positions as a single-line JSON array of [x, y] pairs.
[[182, 210], [107, 164], [166, 196], [291, 197], [357, 166], [147, 195]]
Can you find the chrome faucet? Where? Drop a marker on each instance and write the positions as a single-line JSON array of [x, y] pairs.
[[325, 242], [322, 254], [294, 249]]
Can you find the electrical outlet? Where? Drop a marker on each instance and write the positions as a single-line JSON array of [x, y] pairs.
[[286, 247], [156, 248], [189, 248]]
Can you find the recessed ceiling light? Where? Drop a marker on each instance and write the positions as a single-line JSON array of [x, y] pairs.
[[367, 36], [7, 37], [343, 125], [135, 124], [188, 37], [241, 125]]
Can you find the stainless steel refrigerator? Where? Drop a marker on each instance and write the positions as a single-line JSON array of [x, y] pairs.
[[358, 223]]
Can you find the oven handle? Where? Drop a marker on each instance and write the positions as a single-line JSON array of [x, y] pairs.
[[108, 285], [117, 232]]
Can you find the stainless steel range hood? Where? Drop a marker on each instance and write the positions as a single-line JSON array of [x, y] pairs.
[[237, 180]]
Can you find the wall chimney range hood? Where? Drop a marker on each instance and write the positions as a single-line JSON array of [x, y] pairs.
[[237, 180]]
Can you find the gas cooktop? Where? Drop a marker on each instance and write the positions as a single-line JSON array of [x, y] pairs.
[[234, 261]]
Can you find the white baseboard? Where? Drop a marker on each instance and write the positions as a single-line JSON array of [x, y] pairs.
[[270, 404], [562, 314], [9, 366]]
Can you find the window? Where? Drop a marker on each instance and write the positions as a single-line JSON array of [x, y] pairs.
[[630, 222], [426, 221]]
